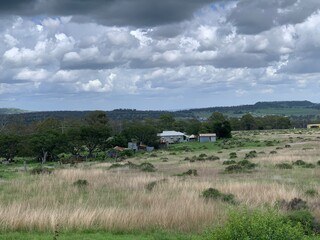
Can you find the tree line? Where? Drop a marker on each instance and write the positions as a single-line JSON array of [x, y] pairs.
[[50, 138]]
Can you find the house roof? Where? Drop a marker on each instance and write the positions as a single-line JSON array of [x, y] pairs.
[[170, 133], [207, 135]]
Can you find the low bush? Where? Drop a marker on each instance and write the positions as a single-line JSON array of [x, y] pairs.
[[41, 170], [233, 155], [233, 168], [305, 219], [212, 193], [147, 167], [151, 185], [294, 204], [81, 183], [251, 154], [309, 165], [284, 166], [257, 225], [229, 162], [273, 152], [190, 172], [299, 163]]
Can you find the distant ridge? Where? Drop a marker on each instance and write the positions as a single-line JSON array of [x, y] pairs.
[[12, 111], [291, 109]]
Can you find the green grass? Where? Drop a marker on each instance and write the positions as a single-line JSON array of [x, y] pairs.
[[97, 236]]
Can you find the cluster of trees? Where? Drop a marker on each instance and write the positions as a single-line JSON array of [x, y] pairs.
[[249, 122], [48, 138]]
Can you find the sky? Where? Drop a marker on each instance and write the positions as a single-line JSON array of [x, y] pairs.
[[157, 55]]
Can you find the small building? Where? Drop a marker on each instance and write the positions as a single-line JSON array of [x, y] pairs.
[[192, 138], [172, 137], [313, 126], [207, 137]]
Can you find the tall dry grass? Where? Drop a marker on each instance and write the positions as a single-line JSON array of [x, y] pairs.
[[111, 201]]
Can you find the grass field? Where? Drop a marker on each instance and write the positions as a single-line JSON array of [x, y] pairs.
[[98, 200]]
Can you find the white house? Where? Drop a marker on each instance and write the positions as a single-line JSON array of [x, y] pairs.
[[207, 137], [172, 137]]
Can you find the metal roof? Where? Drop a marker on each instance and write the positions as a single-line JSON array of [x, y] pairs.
[[207, 135], [170, 133]]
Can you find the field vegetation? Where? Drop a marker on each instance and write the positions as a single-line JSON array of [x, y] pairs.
[[189, 191]]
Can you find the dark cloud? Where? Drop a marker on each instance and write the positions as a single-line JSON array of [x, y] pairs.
[[140, 13], [252, 17]]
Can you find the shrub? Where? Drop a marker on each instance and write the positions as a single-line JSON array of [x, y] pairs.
[[229, 162], [257, 225], [212, 193], [203, 155], [309, 165], [287, 146], [41, 170], [305, 219], [318, 163], [299, 163], [190, 172], [247, 164], [273, 152], [212, 158], [150, 186], [81, 183], [284, 166], [234, 168], [147, 167], [233, 155], [294, 204], [251, 154]]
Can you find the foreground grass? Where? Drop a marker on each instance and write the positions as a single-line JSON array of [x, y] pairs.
[[96, 236], [119, 200]]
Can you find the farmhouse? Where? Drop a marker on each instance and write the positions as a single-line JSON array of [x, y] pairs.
[[172, 137], [313, 126], [207, 137]]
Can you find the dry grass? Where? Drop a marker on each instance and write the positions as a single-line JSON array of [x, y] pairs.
[[118, 200]]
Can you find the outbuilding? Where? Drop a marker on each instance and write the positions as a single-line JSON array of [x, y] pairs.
[[207, 137], [172, 137]]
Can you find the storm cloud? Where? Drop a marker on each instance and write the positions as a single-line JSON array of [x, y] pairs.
[[138, 13], [170, 54]]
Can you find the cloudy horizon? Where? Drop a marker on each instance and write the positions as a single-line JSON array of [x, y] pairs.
[[157, 55]]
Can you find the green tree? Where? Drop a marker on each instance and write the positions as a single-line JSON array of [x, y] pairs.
[[9, 146], [47, 145], [248, 122], [167, 121], [218, 124], [142, 133]]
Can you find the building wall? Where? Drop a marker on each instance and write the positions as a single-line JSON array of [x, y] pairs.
[[207, 139], [172, 139]]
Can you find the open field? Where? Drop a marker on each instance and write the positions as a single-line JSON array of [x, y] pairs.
[[124, 199]]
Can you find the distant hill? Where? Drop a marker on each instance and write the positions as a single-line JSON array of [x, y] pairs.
[[292, 109], [11, 111]]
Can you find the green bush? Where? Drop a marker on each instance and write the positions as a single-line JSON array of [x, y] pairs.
[[305, 219], [229, 162], [299, 163], [284, 166], [81, 183], [234, 168], [212, 193], [257, 225], [190, 172], [41, 170], [233, 155], [251, 154]]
